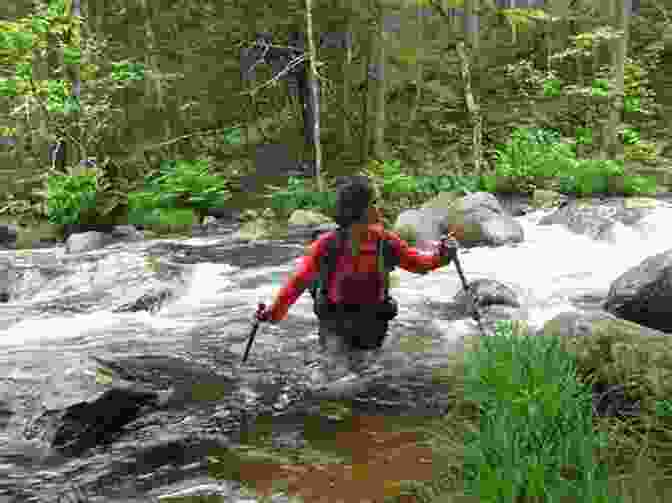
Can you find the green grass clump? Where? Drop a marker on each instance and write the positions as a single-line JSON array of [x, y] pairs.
[[536, 437]]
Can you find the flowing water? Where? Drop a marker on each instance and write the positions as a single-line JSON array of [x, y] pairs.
[[62, 317]]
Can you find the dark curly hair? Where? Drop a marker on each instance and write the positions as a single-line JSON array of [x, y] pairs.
[[354, 194]]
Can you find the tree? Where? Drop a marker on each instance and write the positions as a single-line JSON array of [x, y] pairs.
[[621, 12], [313, 82]]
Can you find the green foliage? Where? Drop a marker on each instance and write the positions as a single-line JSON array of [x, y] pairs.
[[630, 136], [632, 104], [298, 195], [637, 184], [389, 177], [179, 184], [552, 88], [232, 136], [590, 176], [528, 160], [536, 422], [124, 71], [165, 220], [600, 87], [583, 135], [69, 196]]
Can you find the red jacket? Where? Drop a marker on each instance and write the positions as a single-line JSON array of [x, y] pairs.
[[410, 259]]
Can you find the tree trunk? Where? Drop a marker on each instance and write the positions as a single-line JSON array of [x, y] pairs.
[[621, 19], [74, 71], [472, 109], [314, 83], [39, 139], [379, 149], [154, 83], [365, 103], [467, 52], [345, 89], [420, 31]]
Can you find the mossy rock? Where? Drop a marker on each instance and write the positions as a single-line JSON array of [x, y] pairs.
[[30, 233], [616, 351], [442, 200]]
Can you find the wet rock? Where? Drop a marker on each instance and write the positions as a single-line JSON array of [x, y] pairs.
[[305, 217], [480, 218], [8, 236], [643, 294], [7, 278], [547, 198], [418, 225], [483, 293], [86, 241], [5, 413], [611, 355], [126, 233], [150, 302], [86, 424], [595, 217]]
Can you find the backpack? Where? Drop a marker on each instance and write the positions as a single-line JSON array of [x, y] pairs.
[[319, 286]]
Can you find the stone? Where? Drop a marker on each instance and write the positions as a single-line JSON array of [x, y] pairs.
[[628, 365], [7, 279], [8, 236], [150, 302], [643, 294], [426, 227], [595, 217], [482, 220], [542, 198], [126, 233], [86, 241], [86, 424], [483, 293], [305, 217], [477, 219]]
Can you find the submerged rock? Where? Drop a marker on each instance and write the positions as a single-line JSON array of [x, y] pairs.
[[86, 424]]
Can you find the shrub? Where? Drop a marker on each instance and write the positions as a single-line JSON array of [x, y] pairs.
[[70, 196], [300, 194], [178, 184]]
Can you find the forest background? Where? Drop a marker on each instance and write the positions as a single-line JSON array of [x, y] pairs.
[[420, 87]]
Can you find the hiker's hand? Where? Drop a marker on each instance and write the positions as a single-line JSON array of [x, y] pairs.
[[263, 313], [448, 247]]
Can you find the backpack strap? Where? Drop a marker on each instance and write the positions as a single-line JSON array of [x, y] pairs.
[[326, 261], [387, 260]]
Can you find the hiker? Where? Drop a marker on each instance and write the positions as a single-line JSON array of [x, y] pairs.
[[348, 271]]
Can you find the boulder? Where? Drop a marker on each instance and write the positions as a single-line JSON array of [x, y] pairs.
[[126, 233], [628, 365], [7, 279], [150, 302], [8, 236], [484, 293], [425, 226], [596, 217], [86, 241], [478, 216], [542, 198], [305, 217], [483, 220], [643, 294], [86, 424]]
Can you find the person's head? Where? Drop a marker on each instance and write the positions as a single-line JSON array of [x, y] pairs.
[[355, 201]]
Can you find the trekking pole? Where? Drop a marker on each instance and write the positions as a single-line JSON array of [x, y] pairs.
[[476, 315], [255, 327]]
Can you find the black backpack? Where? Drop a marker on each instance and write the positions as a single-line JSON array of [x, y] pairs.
[[319, 286]]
